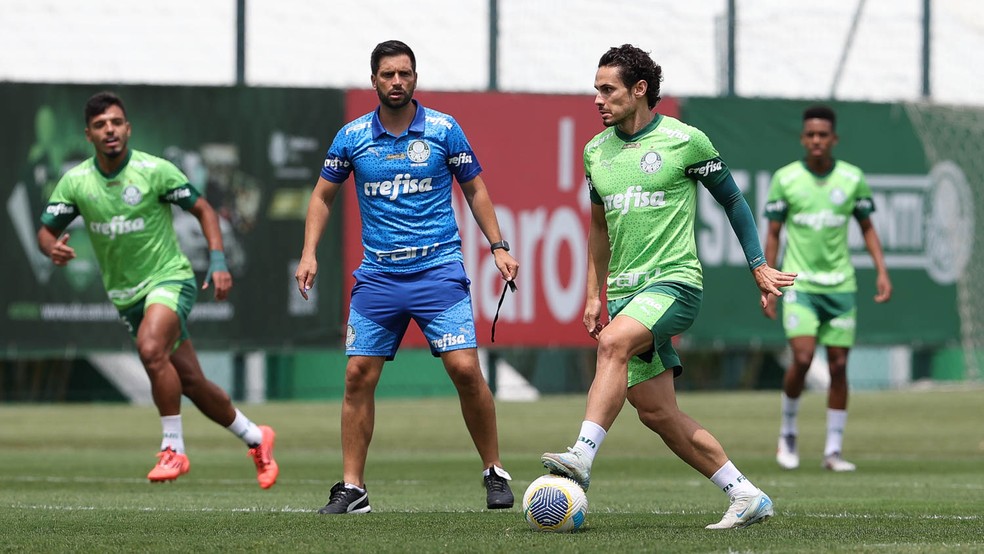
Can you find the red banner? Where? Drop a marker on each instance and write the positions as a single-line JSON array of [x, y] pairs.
[[530, 149]]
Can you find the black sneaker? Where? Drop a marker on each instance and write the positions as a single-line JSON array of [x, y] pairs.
[[497, 486], [346, 500]]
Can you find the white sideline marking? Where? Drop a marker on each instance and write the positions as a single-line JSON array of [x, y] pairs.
[[54, 508], [143, 480]]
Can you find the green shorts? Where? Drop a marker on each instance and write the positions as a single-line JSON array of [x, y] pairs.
[[177, 295], [666, 309], [828, 317]]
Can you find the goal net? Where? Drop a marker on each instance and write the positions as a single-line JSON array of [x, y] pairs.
[[953, 139]]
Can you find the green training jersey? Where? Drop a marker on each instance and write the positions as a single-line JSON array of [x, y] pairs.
[[647, 184], [816, 210], [128, 219]]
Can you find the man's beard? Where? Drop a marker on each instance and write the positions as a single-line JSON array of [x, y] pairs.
[[386, 101]]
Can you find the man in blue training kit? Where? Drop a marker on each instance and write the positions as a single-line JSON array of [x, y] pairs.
[[404, 157]]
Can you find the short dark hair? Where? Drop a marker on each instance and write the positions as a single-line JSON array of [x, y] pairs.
[[390, 48], [820, 111], [635, 65], [99, 103]]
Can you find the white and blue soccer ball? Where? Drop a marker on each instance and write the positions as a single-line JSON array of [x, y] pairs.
[[555, 504]]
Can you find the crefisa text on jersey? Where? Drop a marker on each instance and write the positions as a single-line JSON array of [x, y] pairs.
[[402, 183]]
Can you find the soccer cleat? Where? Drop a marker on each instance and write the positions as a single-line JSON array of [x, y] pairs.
[[786, 454], [745, 511], [497, 486], [345, 499], [170, 466], [569, 464], [266, 467], [835, 462]]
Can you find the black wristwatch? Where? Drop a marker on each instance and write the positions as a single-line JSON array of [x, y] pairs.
[[497, 245]]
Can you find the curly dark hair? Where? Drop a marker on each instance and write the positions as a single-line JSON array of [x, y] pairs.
[[820, 111], [635, 65], [99, 103]]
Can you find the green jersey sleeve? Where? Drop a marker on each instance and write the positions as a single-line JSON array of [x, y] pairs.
[[173, 187], [61, 209], [864, 204], [703, 162], [776, 206]]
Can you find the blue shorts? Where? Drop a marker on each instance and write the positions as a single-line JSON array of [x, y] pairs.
[[383, 304]]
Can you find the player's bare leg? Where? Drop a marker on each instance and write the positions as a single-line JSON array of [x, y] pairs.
[[350, 496], [359, 415], [833, 458], [655, 401], [477, 404], [621, 339], [787, 451], [158, 332], [208, 397], [478, 411]]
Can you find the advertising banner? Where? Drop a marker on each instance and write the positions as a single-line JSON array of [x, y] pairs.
[[924, 218], [254, 153]]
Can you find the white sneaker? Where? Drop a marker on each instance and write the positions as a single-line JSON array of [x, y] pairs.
[[745, 511], [835, 462], [786, 454], [569, 464]]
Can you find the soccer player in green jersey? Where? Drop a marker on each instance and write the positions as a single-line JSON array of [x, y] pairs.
[[815, 198], [125, 198], [643, 171]]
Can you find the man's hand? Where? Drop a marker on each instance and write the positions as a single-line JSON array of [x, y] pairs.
[[770, 280], [592, 317], [307, 268], [219, 273], [61, 253], [770, 307], [884, 286], [508, 266]]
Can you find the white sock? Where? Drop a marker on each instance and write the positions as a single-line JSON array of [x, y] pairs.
[[836, 421], [172, 435], [355, 487], [790, 409], [732, 482], [246, 430], [590, 439]]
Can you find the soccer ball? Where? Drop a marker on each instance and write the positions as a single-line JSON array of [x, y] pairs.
[[555, 504]]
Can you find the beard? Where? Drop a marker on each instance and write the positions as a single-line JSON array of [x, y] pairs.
[[394, 104]]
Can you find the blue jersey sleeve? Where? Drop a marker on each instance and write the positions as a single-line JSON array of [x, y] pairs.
[[461, 159], [338, 164]]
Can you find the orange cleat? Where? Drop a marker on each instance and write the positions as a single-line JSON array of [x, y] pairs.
[[170, 466], [266, 467]]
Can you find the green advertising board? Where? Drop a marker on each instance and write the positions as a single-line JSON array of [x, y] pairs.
[[255, 153], [911, 193]]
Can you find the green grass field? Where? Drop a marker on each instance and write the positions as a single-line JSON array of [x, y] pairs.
[[72, 479]]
